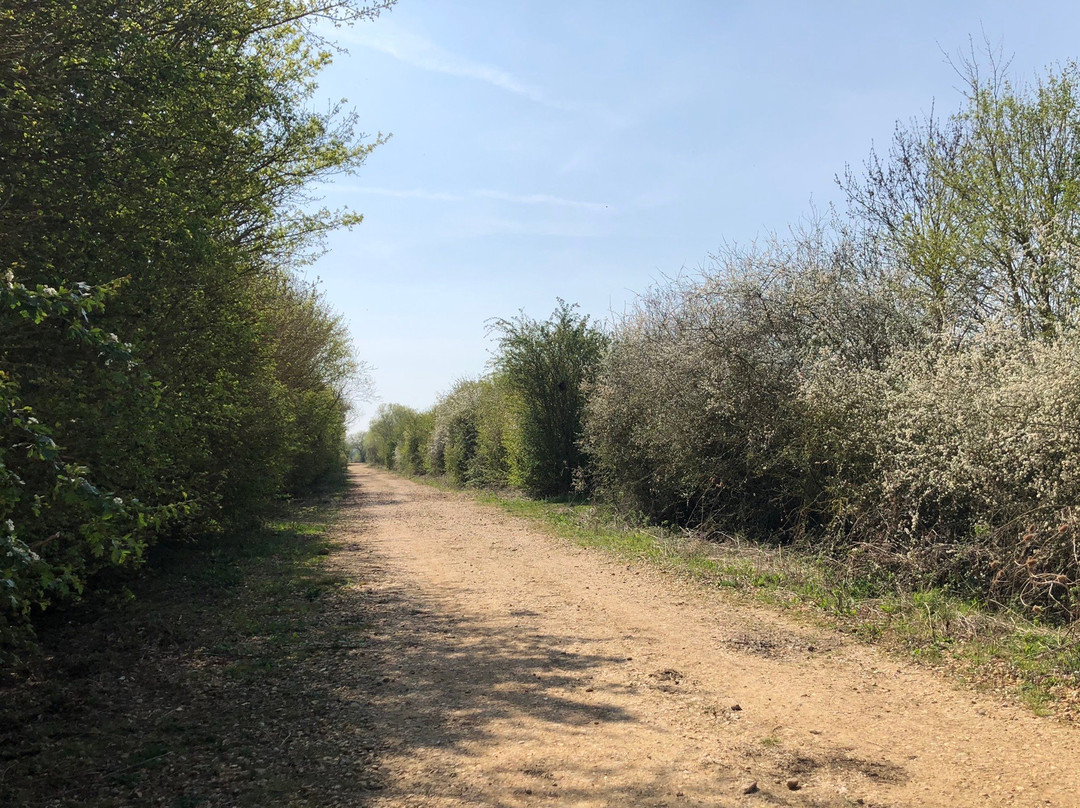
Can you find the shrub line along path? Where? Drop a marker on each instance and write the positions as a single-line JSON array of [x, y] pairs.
[[528, 671]]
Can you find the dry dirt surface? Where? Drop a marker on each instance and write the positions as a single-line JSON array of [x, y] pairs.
[[527, 671]]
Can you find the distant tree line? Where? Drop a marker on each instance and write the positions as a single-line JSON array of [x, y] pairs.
[[897, 385], [163, 368], [519, 426]]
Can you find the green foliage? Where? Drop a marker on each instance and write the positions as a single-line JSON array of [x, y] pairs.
[[354, 447], [898, 386], [397, 438], [319, 376], [170, 144], [410, 453], [546, 366], [473, 426], [518, 426], [453, 439], [58, 527], [983, 210]]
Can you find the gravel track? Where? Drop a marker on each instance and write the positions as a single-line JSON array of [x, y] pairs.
[[524, 670]]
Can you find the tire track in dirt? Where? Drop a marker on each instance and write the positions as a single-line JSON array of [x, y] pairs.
[[527, 671]]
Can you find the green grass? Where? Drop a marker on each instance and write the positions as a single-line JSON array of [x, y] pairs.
[[1000, 649], [149, 697]]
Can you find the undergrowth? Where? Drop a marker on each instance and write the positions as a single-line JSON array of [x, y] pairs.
[[225, 663]]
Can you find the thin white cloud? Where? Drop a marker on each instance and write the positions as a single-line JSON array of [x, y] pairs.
[[541, 199], [483, 193], [420, 52]]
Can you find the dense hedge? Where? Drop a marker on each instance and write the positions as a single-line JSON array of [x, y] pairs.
[[162, 368], [898, 385], [895, 385], [519, 426]]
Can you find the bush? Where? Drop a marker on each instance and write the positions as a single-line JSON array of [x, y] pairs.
[[696, 418], [899, 386], [57, 527], [472, 424], [959, 467], [545, 366], [386, 434], [168, 145]]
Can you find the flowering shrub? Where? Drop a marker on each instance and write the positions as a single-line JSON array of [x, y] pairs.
[[961, 467], [696, 415], [899, 387], [795, 395]]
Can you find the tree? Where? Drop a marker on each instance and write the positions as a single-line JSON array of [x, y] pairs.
[[983, 211], [170, 144], [387, 433], [547, 364]]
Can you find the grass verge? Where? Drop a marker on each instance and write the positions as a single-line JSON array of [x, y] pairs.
[[997, 650], [219, 683]]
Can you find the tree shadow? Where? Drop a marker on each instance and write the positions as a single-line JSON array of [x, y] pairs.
[[260, 674]]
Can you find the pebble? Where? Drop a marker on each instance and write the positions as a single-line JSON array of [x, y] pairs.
[[750, 788], [735, 708], [793, 784]]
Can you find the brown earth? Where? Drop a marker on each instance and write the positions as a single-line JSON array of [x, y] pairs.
[[518, 669], [431, 651]]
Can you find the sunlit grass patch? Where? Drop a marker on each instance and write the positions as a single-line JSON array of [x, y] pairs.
[[999, 648]]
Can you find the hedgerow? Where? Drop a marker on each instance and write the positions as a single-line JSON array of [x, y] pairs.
[[163, 368], [893, 385], [896, 386]]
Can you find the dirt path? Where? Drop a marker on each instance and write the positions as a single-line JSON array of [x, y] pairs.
[[526, 671]]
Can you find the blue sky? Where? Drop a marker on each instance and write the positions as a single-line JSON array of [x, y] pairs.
[[585, 150]]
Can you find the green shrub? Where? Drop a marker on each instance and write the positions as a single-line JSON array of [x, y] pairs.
[[467, 442], [545, 366], [169, 144]]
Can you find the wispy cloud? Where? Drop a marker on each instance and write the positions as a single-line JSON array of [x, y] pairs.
[[482, 193], [410, 193], [480, 227], [420, 52], [541, 199]]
